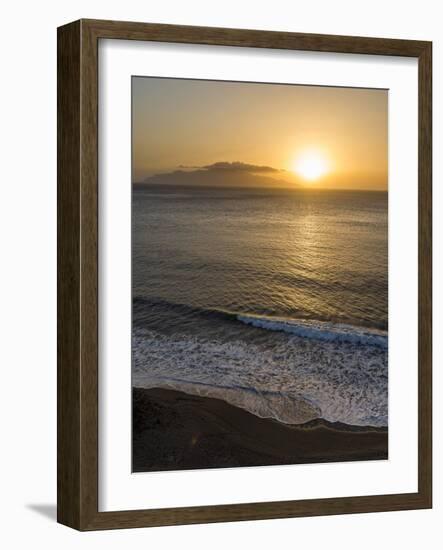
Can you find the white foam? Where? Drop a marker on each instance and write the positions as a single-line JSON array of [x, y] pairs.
[[320, 330], [286, 408], [293, 381]]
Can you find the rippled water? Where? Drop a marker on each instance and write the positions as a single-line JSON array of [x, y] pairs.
[[272, 300]]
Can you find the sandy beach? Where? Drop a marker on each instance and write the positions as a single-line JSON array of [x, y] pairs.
[[176, 431]]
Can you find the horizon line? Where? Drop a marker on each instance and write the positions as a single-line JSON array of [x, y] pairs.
[[294, 187]]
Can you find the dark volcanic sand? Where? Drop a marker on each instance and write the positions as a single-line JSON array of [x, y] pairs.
[[176, 431]]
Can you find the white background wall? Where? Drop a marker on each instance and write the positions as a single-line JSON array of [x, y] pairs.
[[28, 270]]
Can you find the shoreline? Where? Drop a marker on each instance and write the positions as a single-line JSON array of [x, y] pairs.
[[173, 430]]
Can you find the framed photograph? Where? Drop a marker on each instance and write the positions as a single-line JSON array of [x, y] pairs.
[[244, 275]]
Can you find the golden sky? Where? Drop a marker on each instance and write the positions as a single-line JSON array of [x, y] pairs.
[[317, 136]]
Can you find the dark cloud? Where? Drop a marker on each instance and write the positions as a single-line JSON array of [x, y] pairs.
[[235, 166], [239, 167], [224, 174]]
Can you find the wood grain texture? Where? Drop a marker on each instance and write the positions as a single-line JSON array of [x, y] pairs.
[[77, 174], [425, 273], [254, 38], [68, 275]]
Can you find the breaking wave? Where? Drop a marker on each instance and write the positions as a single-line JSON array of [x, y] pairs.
[[294, 380], [320, 330]]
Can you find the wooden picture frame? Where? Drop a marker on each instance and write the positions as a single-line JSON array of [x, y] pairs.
[[78, 274]]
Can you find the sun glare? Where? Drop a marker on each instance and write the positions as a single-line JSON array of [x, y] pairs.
[[311, 165]]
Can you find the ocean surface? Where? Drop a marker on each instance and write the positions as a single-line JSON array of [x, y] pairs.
[[275, 301]]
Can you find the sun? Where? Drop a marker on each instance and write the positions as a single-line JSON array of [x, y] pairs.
[[311, 165]]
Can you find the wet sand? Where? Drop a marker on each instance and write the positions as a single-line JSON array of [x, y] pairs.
[[176, 431]]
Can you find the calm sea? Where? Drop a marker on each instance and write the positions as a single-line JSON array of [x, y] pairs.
[[276, 301]]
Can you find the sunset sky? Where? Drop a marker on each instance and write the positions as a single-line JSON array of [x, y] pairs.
[[312, 135]]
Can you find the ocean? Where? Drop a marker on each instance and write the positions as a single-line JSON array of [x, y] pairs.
[[275, 301]]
